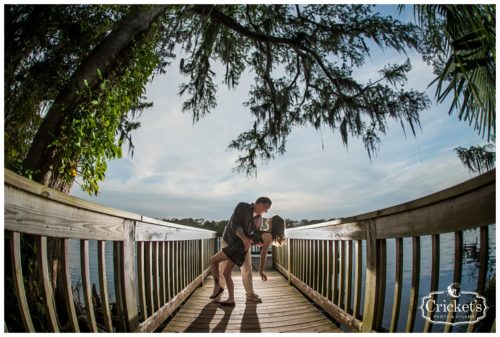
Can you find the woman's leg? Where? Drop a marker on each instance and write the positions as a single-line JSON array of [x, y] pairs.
[[214, 267], [222, 265], [229, 281]]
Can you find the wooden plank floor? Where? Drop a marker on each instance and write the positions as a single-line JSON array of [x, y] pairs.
[[284, 309]]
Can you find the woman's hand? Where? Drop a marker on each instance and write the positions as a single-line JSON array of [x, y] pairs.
[[263, 276]]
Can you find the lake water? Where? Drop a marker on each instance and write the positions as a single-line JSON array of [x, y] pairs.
[[470, 270]]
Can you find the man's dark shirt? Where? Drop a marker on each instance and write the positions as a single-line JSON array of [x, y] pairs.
[[242, 218]]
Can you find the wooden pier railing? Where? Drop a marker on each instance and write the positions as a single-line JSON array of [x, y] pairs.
[[156, 264], [341, 265], [328, 261]]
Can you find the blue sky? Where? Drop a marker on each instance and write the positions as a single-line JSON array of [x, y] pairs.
[[185, 170]]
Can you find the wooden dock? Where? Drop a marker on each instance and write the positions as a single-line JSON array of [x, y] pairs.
[[283, 309], [160, 268]]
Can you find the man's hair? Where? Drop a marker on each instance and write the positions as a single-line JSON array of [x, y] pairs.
[[264, 200]]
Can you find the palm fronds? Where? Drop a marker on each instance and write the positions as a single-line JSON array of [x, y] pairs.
[[466, 35]]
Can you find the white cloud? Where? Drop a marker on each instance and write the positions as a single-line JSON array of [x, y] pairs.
[[184, 170]]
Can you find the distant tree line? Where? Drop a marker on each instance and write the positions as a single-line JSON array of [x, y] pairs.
[[218, 226]]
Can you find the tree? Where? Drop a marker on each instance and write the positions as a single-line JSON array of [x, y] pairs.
[[95, 93], [44, 46], [460, 45], [303, 58]]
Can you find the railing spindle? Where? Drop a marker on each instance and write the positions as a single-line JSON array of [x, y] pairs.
[[323, 266], [161, 262], [316, 261], [121, 326], [434, 280], [141, 279], [47, 293], [17, 274], [177, 270], [67, 291], [170, 278], [148, 271], [348, 287], [328, 290], [382, 275], [309, 263], [184, 263], [103, 285], [398, 285], [87, 288], [341, 275], [302, 264], [202, 258], [156, 277], [415, 279], [457, 276], [357, 278], [335, 272], [483, 269]]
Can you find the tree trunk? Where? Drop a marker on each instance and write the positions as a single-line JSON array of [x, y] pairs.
[[43, 160]]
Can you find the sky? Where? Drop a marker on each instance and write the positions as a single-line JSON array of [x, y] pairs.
[[185, 170]]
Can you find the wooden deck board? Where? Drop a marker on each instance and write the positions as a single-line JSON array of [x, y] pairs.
[[284, 309]]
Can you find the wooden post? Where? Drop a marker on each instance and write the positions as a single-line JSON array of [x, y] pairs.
[[127, 272]]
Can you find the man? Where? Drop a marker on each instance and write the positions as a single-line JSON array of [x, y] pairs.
[[245, 219]]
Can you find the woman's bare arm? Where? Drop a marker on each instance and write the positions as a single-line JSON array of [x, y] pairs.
[[267, 238]]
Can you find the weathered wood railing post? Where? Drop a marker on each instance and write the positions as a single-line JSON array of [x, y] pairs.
[[128, 276]]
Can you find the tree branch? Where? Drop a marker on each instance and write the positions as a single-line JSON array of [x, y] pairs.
[[229, 22]]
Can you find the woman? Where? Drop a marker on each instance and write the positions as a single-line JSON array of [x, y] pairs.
[[234, 254]]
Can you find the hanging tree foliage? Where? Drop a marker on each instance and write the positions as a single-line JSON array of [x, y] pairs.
[[303, 58]]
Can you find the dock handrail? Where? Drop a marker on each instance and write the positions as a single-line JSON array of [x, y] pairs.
[[321, 259], [170, 260]]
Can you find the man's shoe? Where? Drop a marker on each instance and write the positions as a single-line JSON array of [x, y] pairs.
[[254, 298]]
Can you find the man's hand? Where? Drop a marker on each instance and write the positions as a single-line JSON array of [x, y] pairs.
[[247, 243], [263, 276]]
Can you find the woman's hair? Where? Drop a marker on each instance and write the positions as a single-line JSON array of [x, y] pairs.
[[278, 230]]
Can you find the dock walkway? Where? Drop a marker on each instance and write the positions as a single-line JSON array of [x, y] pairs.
[[283, 309]]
